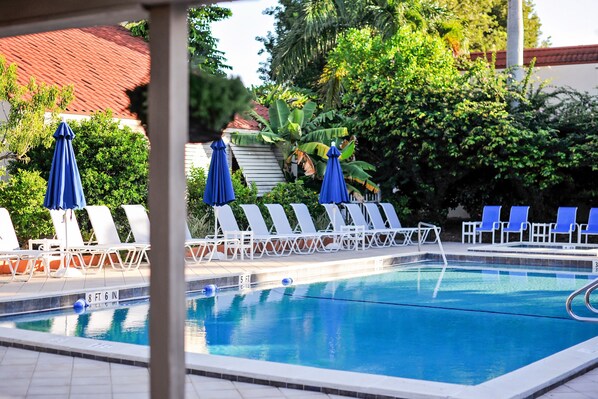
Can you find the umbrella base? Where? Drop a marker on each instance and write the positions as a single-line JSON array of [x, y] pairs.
[[67, 272]]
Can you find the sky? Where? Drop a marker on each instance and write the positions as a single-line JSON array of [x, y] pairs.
[[565, 22]]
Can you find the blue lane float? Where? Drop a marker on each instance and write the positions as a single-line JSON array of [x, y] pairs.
[[287, 281], [80, 305], [210, 290]]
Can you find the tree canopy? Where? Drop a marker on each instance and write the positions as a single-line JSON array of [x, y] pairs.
[[307, 30], [203, 47], [443, 134], [24, 108]]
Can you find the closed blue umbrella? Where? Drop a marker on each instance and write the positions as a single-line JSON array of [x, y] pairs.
[[334, 188], [64, 185], [219, 185]]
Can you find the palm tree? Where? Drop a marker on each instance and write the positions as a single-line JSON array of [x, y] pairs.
[[515, 39], [304, 142]]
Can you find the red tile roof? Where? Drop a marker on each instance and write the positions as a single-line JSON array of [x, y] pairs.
[[249, 124], [549, 56], [101, 62]]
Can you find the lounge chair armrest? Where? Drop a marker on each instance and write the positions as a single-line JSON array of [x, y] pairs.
[[583, 226], [496, 225]]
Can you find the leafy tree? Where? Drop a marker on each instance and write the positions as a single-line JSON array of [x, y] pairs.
[[213, 102], [112, 161], [203, 50], [23, 110], [303, 140], [22, 195], [442, 137], [307, 30], [485, 23], [296, 97]]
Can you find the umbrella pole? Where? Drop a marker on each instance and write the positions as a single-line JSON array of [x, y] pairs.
[[66, 271], [215, 232]]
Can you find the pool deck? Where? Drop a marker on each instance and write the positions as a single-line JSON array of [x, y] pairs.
[[27, 372]]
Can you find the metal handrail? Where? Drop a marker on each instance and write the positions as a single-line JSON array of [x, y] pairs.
[[437, 232], [587, 289]]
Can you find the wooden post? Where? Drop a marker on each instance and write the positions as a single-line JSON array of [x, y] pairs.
[[168, 127]]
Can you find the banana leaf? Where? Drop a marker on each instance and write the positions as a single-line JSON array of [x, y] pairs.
[[347, 151], [279, 115], [326, 135], [315, 148]]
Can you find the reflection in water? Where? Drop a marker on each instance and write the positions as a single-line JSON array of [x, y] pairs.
[[472, 330]]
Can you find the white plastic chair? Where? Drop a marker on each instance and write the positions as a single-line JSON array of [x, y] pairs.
[[303, 243], [392, 221], [377, 222], [106, 234], [13, 255], [305, 224], [271, 244], [138, 222], [384, 237], [357, 235], [229, 227], [69, 236]]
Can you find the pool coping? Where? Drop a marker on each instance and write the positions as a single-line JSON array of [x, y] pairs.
[[530, 381], [527, 382]]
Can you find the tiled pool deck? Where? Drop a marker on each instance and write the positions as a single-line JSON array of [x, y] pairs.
[[36, 374]]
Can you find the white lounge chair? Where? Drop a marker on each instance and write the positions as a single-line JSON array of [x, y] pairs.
[[384, 237], [227, 224], [71, 240], [303, 243], [139, 223], [392, 221], [361, 237], [402, 234], [13, 255], [271, 244], [106, 234], [199, 248], [325, 239]]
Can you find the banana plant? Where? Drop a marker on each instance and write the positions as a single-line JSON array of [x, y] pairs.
[[303, 141]]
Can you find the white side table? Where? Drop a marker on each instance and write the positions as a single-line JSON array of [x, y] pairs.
[[241, 242], [355, 236], [468, 232], [540, 232]]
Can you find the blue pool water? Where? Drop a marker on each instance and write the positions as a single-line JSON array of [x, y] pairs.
[[463, 326]]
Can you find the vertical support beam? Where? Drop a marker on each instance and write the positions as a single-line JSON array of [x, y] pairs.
[[168, 127]]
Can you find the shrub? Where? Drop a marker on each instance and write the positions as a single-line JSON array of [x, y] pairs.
[[112, 161], [201, 215], [289, 193], [23, 195]]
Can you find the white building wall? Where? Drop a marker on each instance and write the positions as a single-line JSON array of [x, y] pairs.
[[581, 77]]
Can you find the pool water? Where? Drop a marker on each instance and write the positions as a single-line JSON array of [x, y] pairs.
[[458, 325]]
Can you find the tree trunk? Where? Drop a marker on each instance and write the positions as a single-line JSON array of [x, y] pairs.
[[515, 39]]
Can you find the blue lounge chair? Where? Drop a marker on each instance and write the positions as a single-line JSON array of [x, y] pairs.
[[490, 222], [517, 223], [565, 223], [590, 228]]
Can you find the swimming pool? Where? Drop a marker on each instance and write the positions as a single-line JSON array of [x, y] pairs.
[[461, 326]]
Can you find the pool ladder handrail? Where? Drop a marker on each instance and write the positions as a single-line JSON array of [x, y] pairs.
[[437, 232], [588, 289]]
